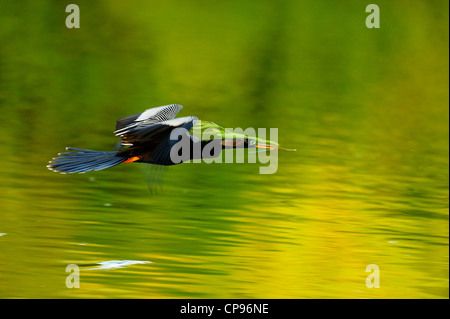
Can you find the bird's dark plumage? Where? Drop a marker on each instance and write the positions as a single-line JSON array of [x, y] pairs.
[[145, 136]]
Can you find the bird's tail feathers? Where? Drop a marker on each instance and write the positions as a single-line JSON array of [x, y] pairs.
[[82, 161]]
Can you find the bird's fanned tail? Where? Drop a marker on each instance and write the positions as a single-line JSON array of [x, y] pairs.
[[82, 161]]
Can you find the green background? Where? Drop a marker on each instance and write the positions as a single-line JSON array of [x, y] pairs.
[[366, 109]]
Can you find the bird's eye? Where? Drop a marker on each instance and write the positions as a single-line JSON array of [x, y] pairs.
[[252, 142]]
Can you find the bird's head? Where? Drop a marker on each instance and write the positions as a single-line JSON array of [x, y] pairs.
[[251, 142], [242, 142], [260, 144]]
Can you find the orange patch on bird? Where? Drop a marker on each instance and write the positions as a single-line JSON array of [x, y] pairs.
[[131, 160]]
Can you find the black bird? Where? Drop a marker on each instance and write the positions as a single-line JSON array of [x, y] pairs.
[[146, 138]]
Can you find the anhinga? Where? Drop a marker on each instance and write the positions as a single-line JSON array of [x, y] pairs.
[[147, 139]]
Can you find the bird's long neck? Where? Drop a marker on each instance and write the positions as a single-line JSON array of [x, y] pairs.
[[206, 149]]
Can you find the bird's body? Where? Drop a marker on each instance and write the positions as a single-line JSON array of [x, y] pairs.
[[147, 137], [158, 153]]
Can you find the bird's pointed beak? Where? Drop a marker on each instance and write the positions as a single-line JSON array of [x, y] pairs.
[[269, 146], [266, 146]]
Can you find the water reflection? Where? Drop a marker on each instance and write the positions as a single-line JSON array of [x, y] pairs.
[[113, 264]]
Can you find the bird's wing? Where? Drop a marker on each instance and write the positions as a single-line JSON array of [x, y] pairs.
[[159, 135], [146, 118], [156, 132]]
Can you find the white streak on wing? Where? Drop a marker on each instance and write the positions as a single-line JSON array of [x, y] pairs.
[[180, 121], [148, 113], [125, 129], [151, 116], [175, 108]]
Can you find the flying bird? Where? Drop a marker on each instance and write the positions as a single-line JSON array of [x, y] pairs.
[[146, 138]]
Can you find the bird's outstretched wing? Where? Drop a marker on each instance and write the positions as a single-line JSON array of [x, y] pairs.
[[146, 118], [156, 132]]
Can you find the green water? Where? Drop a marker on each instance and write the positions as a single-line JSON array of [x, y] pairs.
[[366, 109]]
